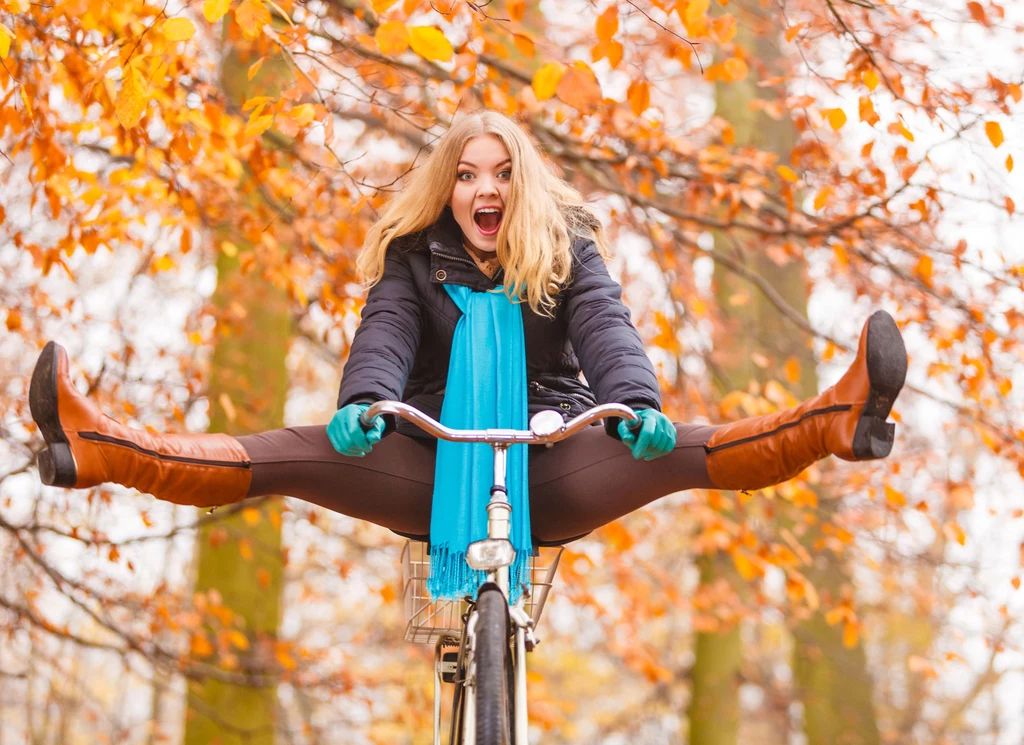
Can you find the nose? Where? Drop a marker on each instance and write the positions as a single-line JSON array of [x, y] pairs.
[[487, 185]]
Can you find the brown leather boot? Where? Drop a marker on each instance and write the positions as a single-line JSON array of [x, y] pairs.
[[848, 420], [86, 447]]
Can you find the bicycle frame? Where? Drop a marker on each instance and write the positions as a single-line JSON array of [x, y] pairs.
[[547, 428]]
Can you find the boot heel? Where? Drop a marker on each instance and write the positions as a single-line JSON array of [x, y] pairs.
[[873, 438], [57, 466]]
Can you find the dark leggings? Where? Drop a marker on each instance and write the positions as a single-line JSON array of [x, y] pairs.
[[575, 486]]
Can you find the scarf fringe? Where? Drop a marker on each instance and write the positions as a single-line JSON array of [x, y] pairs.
[[451, 578]]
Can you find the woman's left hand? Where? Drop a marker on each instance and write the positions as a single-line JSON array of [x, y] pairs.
[[655, 438]]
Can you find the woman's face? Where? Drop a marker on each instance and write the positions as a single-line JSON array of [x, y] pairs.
[[481, 190]]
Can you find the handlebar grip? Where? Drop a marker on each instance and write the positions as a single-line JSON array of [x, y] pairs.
[[635, 426], [365, 423]]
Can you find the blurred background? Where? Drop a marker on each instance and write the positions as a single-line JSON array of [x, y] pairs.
[[183, 190]]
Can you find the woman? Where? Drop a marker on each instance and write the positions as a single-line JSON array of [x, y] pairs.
[[483, 212]]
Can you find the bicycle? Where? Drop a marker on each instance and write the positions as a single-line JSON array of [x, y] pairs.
[[485, 670]]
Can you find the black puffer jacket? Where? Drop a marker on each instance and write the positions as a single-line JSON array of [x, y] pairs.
[[403, 344]]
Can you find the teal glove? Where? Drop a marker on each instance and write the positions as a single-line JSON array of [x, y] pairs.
[[346, 433], [656, 437]]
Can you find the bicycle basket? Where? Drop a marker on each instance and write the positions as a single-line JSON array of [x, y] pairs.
[[428, 620]]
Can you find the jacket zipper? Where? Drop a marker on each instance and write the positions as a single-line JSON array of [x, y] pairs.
[[457, 258], [96, 437], [464, 260], [573, 396], [788, 425]]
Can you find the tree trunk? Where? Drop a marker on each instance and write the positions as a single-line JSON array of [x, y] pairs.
[[248, 388], [832, 680]]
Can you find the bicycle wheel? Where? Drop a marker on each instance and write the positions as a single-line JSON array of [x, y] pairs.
[[492, 658]]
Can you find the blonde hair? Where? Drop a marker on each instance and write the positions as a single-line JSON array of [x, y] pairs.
[[542, 213]]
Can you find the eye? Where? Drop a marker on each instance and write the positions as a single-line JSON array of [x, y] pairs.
[[506, 174], [462, 174]]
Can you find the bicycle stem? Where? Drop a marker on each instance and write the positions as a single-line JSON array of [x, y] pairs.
[[499, 513]]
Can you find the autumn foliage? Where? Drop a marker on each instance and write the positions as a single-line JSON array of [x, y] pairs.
[[128, 164]]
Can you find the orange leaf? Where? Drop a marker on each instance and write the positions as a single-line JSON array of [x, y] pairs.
[[895, 498], [870, 78], [524, 44], [723, 28], [924, 269], [954, 532], [131, 99], [1014, 90], [836, 118], [392, 38], [867, 111], [822, 197], [516, 10], [579, 87], [977, 12], [258, 124], [285, 660], [255, 67], [614, 53], [163, 264], [995, 133], [735, 69], [238, 639], [639, 95], [695, 10], [429, 42], [546, 79], [1009, 163], [746, 568], [618, 536], [200, 646], [178, 29], [1010, 206], [849, 635], [793, 370], [607, 23], [792, 31], [251, 515], [787, 173], [245, 548], [302, 114], [922, 208], [252, 16], [214, 10], [256, 103]]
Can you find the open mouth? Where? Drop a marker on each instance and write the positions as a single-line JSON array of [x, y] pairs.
[[488, 220]]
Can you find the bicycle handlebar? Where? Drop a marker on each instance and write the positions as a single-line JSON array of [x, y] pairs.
[[545, 426]]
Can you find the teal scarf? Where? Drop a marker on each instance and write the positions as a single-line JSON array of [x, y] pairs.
[[486, 388]]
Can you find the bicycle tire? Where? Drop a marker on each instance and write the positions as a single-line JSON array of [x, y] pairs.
[[492, 658]]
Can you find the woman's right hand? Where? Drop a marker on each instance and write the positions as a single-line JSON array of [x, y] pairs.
[[346, 433]]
